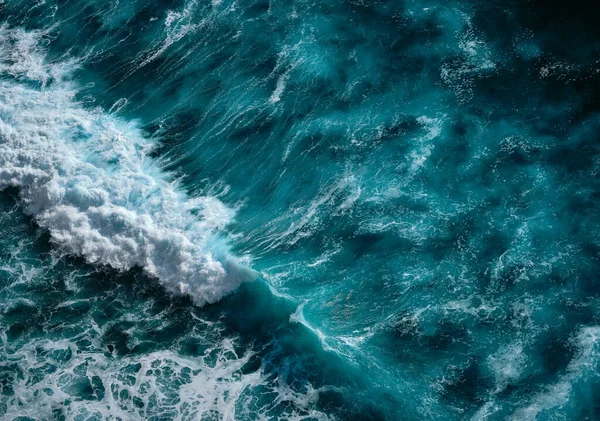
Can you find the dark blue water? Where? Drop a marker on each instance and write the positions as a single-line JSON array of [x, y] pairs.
[[262, 210]]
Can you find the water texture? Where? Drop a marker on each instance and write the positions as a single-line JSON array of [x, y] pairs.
[[299, 210]]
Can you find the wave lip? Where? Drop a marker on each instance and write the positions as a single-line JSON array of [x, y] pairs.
[[87, 178]]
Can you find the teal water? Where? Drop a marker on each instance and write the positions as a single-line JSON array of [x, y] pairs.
[[261, 210]]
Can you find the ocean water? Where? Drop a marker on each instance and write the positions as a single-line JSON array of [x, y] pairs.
[[299, 210]]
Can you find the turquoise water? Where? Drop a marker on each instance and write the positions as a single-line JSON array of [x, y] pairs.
[[261, 210]]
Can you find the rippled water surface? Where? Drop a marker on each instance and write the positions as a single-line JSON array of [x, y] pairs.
[[299, 210]]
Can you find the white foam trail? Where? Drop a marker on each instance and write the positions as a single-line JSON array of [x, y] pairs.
[[88, 178], [556, 395], [210, 386], [71, 372]]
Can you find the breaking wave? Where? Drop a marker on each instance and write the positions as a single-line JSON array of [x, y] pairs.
[[89, 179]]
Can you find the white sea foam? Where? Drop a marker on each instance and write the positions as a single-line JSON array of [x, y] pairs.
[[556, 395], [211, 386], [87, 177], [75, 371], [507, 364]]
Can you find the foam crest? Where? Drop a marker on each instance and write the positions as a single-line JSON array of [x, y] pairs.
[[88, 178]]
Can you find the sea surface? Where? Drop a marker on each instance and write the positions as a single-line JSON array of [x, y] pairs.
[[299, 210]]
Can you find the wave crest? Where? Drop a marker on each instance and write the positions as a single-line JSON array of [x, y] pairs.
[[87, 177]]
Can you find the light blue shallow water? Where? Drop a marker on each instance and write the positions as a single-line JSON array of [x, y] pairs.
[[251, 210]]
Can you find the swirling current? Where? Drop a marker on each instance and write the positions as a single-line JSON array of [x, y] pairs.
[[299, 210]]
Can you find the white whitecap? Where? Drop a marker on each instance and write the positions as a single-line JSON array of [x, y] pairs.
[[87, 177]]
